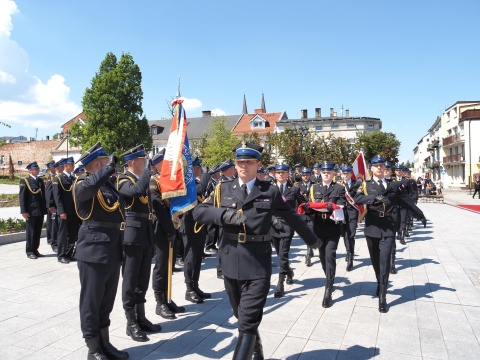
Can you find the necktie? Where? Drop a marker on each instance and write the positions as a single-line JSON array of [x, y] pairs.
[[284, 186], [325, 189], [380, 182], [244, 191]]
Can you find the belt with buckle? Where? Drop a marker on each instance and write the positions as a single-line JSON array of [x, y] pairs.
[[105, 224], [381, 214], [324, 215], [243, 238], [139, 215]]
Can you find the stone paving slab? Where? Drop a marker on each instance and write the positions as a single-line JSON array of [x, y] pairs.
[[434, 305]]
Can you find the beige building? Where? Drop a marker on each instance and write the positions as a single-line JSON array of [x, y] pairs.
[[345, 126], [451, 149]]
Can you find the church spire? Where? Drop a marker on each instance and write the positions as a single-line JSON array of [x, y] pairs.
[[263, 104], [244, 111]]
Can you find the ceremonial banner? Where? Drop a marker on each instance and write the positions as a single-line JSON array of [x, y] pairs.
[[359, 172], [177, 181]]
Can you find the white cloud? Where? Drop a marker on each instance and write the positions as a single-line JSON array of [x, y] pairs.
[[25, 101], [191, 104], [218, 112], [7, 9]]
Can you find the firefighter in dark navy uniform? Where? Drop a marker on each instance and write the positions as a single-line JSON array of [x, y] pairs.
[[194, 236], [244, 208], [48, 190], [164, 233], [52, 207], [304, 185], [381, 197], [317, 174], [281, 232], [33, 208], [324, 227], [137, 243], [68, 222], [351, 215], [99, 249]]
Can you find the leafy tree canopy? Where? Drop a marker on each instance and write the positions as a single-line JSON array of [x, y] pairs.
[[113, 108], [217, 144], [378, 143]]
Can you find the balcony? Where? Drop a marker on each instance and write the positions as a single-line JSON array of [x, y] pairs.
[[431, 164], [457, 158], [452, 140]]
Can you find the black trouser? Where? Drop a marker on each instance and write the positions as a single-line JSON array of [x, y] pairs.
[[98, 287], [54, 230], [475, 192], [282, 247], [136, 274], [247, 298], [380, 250], [193, 256], [402, 223], [328, 254], [33, 233], [67, 236], [49, 227], [212, 236], [350, 230], [160, 270]]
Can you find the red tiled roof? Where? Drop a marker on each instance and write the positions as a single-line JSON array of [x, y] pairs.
[[65, 127], [244, 126]]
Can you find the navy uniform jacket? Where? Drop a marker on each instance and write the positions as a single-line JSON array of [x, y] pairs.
[[162, 222], [322, 224], [97, 199], [189, 226], [350, 211], [293, 198], [32, 196], [249, 260], [138, 230], [62, 186], [316, 178], [49, 190], [380, 220]]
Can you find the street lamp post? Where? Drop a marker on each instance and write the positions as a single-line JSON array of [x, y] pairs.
[[67, 135], [301, 132]]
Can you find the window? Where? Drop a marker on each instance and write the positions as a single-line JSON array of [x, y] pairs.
[[154, 130], [318, 128], [370, 126], [351, 126], [258, 124], [335, 127]]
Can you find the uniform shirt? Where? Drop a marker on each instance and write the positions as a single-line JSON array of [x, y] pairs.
[[32, 196], [97, 199], [250, 260]]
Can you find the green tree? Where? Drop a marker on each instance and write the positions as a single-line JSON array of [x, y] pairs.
[[378, 143], [268, 143], [113, 108], [217, 144]]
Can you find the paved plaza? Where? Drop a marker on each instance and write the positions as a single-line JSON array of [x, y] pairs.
[[434, 304]]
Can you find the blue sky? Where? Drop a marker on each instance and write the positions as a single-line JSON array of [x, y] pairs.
[[401, 61]]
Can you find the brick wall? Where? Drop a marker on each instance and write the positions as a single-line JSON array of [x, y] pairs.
[[28, 152]]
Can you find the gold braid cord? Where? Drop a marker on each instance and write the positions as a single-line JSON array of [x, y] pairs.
[[101, 201], [312, 198], [143, 199], [61, 184], [30, 189], [216, 202]]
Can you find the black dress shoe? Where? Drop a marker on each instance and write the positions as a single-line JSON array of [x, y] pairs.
[[32, 256], [64, 261], [175, 308], [211, 251], [55, 249], [193, 297], [38, 254]]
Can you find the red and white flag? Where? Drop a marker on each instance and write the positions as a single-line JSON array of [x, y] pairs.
[[172, 176], [359, 173]]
